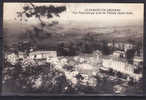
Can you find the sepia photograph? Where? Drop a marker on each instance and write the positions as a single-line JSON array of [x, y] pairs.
[[75, 49]]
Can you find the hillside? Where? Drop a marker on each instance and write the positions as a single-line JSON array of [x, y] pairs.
[[14, 32]]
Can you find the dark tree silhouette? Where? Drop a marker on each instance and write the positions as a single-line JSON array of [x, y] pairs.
[[40, 12], [32, 10], [130, 55], [105, 49], [138, 47]]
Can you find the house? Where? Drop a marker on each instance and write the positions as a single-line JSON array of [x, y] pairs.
[[139, 52], [118, 66], [137, 60], [42, 54], [118, 54], [127, 46], [110, 44], [21, 55], [120, 45], [122, 67], [12, 58]]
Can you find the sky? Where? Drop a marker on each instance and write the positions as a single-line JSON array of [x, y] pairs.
[[69, 15]]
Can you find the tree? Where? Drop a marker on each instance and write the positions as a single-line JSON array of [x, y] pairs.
[[138, 47], [105, 49], [42, 14], [23, 80], [119, 74], [130, 55], [39, 12], [111, 71], [89, 43], [113, 43], [87, 47], [131, 41]]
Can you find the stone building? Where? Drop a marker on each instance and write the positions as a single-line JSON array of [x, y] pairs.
[[42, 54]]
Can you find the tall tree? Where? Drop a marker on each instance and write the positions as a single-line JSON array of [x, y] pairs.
[[105, 49], [130, 55]]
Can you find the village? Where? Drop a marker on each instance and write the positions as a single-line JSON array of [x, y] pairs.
[[87, 65]]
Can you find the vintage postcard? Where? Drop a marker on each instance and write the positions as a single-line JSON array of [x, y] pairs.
[[73, 49]]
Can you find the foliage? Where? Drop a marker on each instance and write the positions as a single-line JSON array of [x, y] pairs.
[[130, 55], [105, 49], [39, 12], [42, 14], [27, 79]]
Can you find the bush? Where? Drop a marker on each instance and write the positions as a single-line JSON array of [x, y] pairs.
[[43, 79]]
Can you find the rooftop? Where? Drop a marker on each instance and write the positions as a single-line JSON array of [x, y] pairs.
[[40, 52]]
